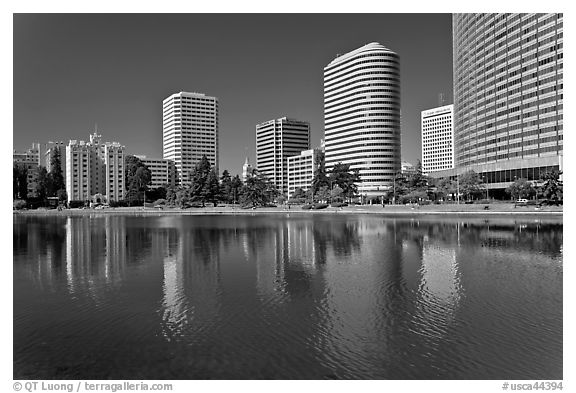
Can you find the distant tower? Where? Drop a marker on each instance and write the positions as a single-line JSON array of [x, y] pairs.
[[441, 99], [246, 169]]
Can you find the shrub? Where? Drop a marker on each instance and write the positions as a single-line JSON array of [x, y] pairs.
[[296, 201], [307, 206], [482, 201], [425, 202], [160, 202], [75, 204], [339, 204], [318, 206], [120, 203], [19, 204]]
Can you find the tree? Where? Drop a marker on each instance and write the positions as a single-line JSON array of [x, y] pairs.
[[56, 175], [298, 193], [469, 185], [417, 181], [552, 187], [42, 184], [258, 190], [171, 195], [156, 193], [320, 177], [211, 190], [446, 187], [182, 197], [399, 185], [138, 177], [236, 188], [198, 176], [521, 188], [226, 187], [414, 196], [336, 194], [20, 181], [62, 195], [323, 194], [346, 179]]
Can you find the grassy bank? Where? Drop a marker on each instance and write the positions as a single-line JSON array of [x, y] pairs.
[[462, 209]]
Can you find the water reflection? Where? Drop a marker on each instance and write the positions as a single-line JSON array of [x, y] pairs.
[[309, 297]]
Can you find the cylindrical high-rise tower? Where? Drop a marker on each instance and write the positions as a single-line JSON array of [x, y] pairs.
[[362, 115]]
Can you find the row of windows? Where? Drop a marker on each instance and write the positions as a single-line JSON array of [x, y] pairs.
[[356, 77], [382, 57], [362, 102], [359, 94], [374, 111], [338, 89], [373, 123], [376, 68]]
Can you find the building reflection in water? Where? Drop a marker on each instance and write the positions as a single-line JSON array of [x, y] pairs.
[[191, 287], [96, 252]]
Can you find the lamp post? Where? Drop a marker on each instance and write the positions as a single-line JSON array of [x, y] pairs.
[[394, 190], [457, 189], [485, 179]]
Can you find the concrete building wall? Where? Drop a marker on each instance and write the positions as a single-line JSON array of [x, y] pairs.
[[301, 170], [276, 140], [190, 131], [163, 172], [437, 139]]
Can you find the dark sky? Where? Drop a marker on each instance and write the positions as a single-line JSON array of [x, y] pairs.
[[72, 71]]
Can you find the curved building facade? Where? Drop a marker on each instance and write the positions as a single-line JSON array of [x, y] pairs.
[[508, 95], [362, 115]]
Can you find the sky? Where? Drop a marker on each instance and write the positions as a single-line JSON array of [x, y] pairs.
[[72, 72]]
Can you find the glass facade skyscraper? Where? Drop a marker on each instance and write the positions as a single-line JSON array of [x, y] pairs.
[[508, 94]]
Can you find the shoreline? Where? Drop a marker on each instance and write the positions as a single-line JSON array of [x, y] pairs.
[[429, 210]]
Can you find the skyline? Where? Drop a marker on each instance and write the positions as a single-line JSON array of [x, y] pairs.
[[259, 66]]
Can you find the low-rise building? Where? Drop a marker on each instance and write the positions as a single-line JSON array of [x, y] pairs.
[[31, 160], [301, 170], [163, 171]]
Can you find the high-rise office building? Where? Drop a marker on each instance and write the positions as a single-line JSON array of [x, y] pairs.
[[95, 167], [508, 95], [437, 139], [190, 131], [276, 140], [362, 115], [163, 172]]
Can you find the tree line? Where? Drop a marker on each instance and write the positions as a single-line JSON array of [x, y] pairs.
[[338, 185]]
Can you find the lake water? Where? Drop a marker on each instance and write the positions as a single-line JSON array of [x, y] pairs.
[[272, 296]]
